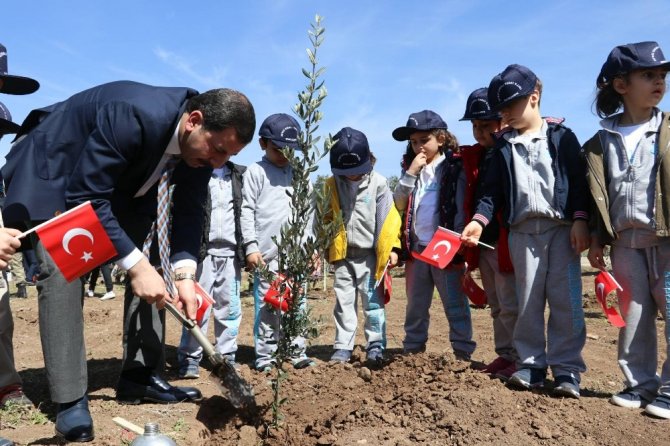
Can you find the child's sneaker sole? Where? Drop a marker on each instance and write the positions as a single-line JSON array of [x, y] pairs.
[[660, 407]]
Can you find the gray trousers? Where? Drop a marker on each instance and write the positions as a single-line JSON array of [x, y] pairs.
[[353, 278], [644, 275], [548, 272], [500, 291], [220, 277], [62, 331], [266, 323], [8, 374], [421, 279]]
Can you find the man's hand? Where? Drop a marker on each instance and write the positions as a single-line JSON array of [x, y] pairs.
[[186, 292], [254, 260], [9, 243], [471, 233], [147, 284], [579, 236]]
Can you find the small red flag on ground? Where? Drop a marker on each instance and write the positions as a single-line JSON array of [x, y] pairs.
[[76, 241], [442, 248], [605, 284], [204, 302], [474, 292]]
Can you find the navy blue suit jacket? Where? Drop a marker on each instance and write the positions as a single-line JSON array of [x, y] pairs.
[[102, 145]]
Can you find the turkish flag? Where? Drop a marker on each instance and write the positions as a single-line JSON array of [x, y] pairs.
[[76, 241], [605, 284], [474, 292], [386, 287], [273, 298], [204, 302], [442, 248]]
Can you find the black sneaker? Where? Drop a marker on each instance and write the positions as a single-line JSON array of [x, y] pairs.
[[527, 378], [567, 386]]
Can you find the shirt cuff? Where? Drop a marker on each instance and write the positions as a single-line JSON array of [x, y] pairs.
[[184, 263], [130, 260]]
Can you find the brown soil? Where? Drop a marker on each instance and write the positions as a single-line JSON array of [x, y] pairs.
[[430, 398]]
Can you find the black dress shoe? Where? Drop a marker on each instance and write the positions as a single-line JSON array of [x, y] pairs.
[[156, 390], [74, 422]]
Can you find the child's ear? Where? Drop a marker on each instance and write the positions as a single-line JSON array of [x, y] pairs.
[[262, 143], [619, 84], [441, 139]]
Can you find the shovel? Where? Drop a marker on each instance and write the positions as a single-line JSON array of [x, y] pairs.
[[232, 385]]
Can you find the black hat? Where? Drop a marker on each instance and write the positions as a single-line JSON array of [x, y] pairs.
[[515, 81], [419, 122], [283, 130], [478, 107], [350, 155], [6, 125], [629, 57], [14, 84]]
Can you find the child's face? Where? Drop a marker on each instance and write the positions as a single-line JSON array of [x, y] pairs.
[[425, 142], [522, 112], [643, 89], [273, 153], [482, 131]]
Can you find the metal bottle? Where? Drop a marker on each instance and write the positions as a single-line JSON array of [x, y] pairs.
[[152, 437]]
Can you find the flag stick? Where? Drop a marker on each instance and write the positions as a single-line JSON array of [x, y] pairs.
[[41, 225], [388, 262], [478, 242], [614, 280]]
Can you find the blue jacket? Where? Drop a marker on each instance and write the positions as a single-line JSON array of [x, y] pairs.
[[571, 192], [102, 145]]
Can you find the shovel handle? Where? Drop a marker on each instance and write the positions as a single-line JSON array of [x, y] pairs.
[[192, 327]]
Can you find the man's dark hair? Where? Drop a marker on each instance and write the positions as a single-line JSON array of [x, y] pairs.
[[223, 108]]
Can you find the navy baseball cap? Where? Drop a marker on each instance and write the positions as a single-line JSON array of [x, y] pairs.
[[14, 84], [350, 155], [515, 81], [419, 122], [283, 130], [632, 56], [477, 107], [6, 125]]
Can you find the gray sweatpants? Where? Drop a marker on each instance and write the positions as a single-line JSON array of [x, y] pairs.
[[548, 271], [354, 278], [266, 321], [421, 279], [220, 277], [644, 275], [8, 374], [500, 291]]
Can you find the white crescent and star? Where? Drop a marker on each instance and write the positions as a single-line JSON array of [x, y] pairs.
[[600, 290], [75, 232], [441, 243]]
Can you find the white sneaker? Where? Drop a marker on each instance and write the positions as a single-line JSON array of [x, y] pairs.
[[108, 295], [90, 293]]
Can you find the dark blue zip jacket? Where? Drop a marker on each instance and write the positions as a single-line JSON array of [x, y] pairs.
[[571, 192]]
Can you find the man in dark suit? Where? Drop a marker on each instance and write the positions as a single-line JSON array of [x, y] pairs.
[[109, 145]]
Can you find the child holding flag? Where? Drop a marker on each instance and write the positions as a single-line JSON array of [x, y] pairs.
[[363, 246], [428, 195], [495, 266], [628, 163]]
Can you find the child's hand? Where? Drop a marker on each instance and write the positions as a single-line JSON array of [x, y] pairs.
[[471, 233], [254, 260], [579, 236], [393, 259], [596, 256], [417, 164]]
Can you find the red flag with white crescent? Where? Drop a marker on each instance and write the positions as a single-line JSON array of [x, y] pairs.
[[474, 292], [204, 302], [605, 284], [442, 248], [273, 298], [76, 241]]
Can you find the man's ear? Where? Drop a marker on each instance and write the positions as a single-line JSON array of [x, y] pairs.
[[193, 121]]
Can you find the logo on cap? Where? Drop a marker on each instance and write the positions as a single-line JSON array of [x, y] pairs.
[[653, 53], [505, 85]]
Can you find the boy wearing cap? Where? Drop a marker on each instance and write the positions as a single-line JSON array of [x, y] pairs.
[[495, 266], [538, 178], [430, 194], [365, 243], [266, 207]]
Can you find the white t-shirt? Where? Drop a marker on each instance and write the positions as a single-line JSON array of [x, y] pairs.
[[427, 198], [632, 134]]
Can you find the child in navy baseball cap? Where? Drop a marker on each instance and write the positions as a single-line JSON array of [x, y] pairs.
[[494, 265], [365, 247], [277, 132], [515, 93], [628, 161]]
